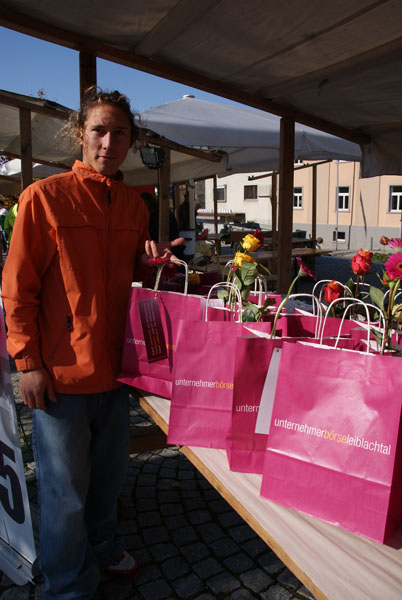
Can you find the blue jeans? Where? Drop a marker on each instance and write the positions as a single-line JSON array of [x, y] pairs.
[[81, 446]]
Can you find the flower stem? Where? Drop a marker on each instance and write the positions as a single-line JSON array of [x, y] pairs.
[[282, 304]]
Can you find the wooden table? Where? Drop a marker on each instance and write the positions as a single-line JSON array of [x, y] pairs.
[[332, 563], [266, 256]]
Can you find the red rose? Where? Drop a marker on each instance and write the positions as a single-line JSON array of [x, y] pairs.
[[260, 236], [361, 262], [333, 291]]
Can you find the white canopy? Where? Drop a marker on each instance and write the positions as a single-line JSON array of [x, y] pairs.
[[249, 137], [50, 145], [249, 140]]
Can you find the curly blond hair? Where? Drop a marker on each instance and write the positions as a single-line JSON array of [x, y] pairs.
[[95, 96]]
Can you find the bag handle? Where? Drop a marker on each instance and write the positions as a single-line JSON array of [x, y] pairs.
[[260, 287], [185, 265], [353, 302], [315, 300], [233, 289], [322, 281]]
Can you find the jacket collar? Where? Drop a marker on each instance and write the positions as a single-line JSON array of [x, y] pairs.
[[86, 171]]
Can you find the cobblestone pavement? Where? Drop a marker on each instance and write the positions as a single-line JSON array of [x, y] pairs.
[[189, 543]]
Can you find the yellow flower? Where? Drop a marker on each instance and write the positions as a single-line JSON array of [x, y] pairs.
[[240, 257], [194, 279], [250, 243]]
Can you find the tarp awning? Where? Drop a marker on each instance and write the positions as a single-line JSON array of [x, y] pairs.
[[331, 65]]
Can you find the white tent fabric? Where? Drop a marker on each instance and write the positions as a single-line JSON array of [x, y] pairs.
[[336, 64], [50, 145], [249, 137], [13, 168]]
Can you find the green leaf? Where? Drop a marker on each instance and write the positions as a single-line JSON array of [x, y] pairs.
[[377, 296], [268, 302], [350, 283], [250, 313], [245, 292], [223, 295], [248, 272], [378, 336]]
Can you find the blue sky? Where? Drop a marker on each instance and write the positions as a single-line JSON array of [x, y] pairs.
[[29, 65]]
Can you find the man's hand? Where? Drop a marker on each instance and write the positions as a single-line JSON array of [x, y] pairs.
[[161, 250], [35, 385]]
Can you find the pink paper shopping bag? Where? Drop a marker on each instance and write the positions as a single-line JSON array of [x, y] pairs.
[[334, 446], [201, 406], [155, 377], [245, 448], [254, 387]]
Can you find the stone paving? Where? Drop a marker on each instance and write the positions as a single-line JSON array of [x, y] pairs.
[[189, 543]]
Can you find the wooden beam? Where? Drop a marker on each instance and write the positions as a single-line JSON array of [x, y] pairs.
[[286, 204], [57, 112], [26, 147], [306, 166], [164, 198], [9, 179], [87, 72], [27, 25]]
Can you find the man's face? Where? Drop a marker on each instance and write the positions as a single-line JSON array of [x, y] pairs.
[[106, 139]]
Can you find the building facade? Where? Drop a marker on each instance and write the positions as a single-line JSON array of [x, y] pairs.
[[351, 213]]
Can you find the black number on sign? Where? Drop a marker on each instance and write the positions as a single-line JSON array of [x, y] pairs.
[[16, 511]]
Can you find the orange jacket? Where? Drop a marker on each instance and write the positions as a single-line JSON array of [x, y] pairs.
[[76, 248]]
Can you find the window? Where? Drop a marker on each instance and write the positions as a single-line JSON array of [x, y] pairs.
[[297, 197], [341, 237], [343, 198], [395, 198], [250, 192], [221, 193]]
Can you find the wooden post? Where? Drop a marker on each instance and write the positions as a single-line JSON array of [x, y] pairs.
[[87, 72], [176, 192], [164, 197], [215, 205], [314, 206], [26, 147], [287, 140], [274, 225], [218, 248]]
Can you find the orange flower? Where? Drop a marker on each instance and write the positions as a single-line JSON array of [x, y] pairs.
[[366, 254], [361, 262], [333, 291], [384, 240]]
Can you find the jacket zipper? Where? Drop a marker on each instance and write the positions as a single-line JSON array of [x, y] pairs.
[[109, 202]]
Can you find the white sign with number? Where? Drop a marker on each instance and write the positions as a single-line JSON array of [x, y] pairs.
[[17, 546]]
